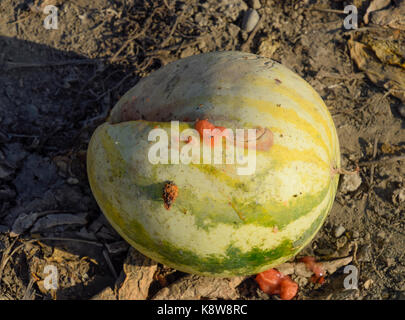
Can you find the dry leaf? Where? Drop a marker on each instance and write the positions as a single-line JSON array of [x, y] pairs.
[[393, 17], [374, 6], [390, 77], [195, 287], [300, 269], [139, 271], [106, 294]]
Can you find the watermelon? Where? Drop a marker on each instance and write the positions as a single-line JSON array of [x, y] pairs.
[[209, 218]]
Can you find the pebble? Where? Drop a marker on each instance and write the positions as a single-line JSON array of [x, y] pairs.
[[351, 182], [233, 30], [250, 20], [367, 284], [339, 231], [390, 262], [401, 110], [72, 180], [381, 235], [255, 4], [364, 253]]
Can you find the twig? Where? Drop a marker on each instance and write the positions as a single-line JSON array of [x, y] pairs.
[[19, 20], [135, 36], [363, 29], [173, 29], [15, 65], [327, 10], [374, 155], [115, 87], [246, 45], [170, 48], [5, 257], [381, 161], [28, 295], [340, 76], [109, 263], [68, 239]]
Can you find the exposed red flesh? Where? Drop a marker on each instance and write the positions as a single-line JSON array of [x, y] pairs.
[[273, 282], [316, 268]]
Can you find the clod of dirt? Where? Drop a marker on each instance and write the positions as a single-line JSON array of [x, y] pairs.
[[197, 287], [351, 182]]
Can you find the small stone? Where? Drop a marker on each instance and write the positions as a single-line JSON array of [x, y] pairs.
[[351, 182], [367, 284], [389, 262], [339, 231], [72, 180], [233, 30], [381, 235], [250, 20], [401, 110], [187, 52], [364, 253], [255, 4], [356, 234], [202, 44]]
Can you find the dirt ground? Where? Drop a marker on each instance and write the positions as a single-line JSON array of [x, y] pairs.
[[56, 86]]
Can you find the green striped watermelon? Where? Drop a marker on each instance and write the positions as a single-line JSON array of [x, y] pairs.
[[221, 223]]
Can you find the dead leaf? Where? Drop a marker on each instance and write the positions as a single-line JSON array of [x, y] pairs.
[[393, 17], [268, 47], [387, 76], [374, 6], [195, 287], [300, 269], [139, 271], [59, 256], [106, 294]]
